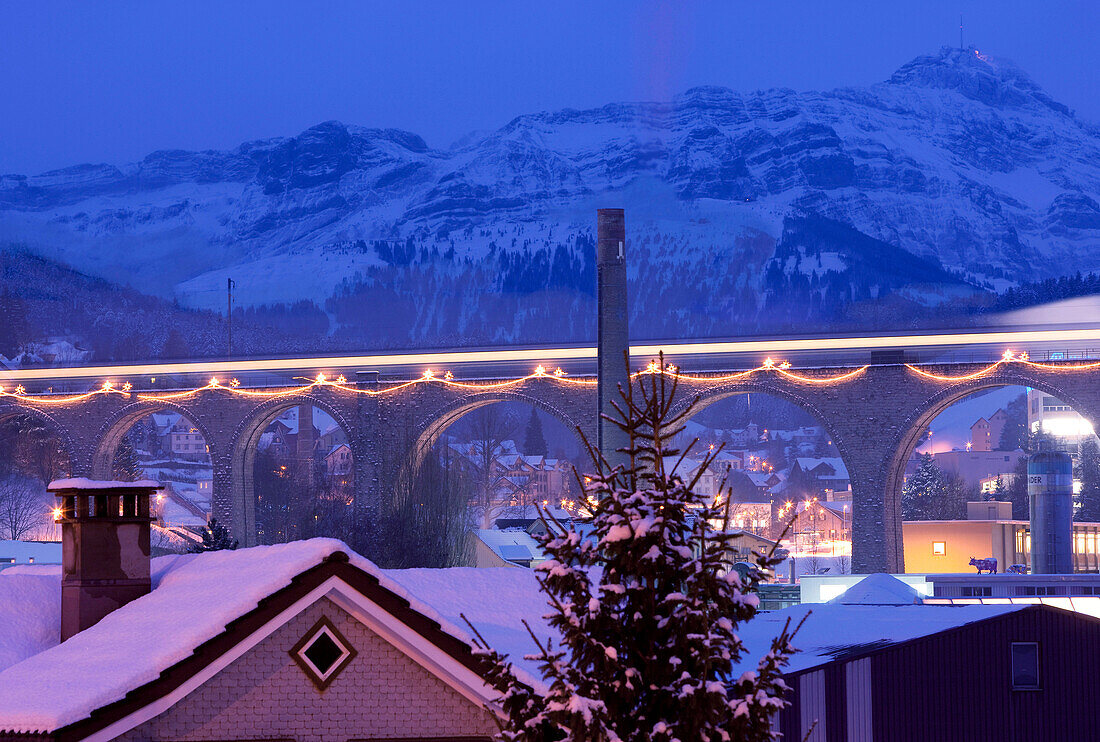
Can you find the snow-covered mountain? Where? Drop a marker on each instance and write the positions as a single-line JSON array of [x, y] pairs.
[[956, 173]]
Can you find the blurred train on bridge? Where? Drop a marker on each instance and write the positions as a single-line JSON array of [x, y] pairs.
[[1067, 330]]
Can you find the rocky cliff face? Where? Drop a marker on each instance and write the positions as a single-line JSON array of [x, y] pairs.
[[959, 166]]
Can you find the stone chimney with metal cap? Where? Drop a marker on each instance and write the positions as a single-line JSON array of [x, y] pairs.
[[105, 529]]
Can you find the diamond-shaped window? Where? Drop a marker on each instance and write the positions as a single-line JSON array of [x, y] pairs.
[[323, 653]]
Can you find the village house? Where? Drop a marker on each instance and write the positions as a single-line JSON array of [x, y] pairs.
[[185, 441], [818, 476], [273, 642], [985, 435], [516, 478], [755, 517], [308, 641], [820, 520], [339, 461]]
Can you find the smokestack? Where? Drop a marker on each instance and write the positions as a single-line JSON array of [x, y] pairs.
[[104, 547], [612, 335], [1050, 489]]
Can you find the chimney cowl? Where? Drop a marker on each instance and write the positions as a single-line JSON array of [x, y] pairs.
[[105, 546]]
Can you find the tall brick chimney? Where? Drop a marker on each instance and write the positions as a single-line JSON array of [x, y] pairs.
[[105, 528], [612, 333]]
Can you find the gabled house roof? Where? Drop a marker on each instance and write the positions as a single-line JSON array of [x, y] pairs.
[[511, 545], [829, 467], [336, 448]]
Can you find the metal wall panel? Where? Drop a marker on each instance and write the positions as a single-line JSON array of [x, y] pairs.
[[857, 677], [811, 693]]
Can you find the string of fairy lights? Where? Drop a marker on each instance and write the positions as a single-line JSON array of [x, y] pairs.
[[447, 378]]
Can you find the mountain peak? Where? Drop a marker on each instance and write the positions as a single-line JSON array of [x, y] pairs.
[[991, 80]]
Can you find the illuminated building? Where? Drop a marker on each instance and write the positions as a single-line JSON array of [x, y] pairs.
[[946, 546], [975, 466], [1054, 417], [185, 440], [985, 435]]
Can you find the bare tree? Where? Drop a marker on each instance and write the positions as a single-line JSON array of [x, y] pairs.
[[22, 506], [489, 429], [429, 528], [844, 564], [813, 563], [38, 450]]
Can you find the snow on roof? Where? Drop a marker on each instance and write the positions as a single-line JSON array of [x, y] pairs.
[[833, 629], [510, 544], [834, 462], [198, 595], [165, 419], [531, 513], [759, 478], [174, 538], [30, 612], [333, 428], [98, 484], [495, 600], [879, 589]]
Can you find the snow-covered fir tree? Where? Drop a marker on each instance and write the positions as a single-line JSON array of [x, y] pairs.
[[645, 606], [1089, 476], [534, 442], [125, 466], [215, 537], [931, 494]]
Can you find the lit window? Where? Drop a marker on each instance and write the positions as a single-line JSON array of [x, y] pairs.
[[939, 548], [1025, 666]]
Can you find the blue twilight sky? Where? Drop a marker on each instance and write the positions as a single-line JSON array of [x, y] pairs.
[[112, 81]]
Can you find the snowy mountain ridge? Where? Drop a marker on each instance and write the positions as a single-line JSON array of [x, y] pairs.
[[959, 161]]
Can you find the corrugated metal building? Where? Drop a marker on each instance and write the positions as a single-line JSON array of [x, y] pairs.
[[967, 673]]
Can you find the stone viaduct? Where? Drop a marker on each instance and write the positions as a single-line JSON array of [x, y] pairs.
[[875, 417]]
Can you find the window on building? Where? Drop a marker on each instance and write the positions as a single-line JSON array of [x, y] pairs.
[[322, 653], [977, 592], [939, 548], [1025, 666]]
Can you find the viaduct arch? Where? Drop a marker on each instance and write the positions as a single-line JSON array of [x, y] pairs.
[[874, 417]]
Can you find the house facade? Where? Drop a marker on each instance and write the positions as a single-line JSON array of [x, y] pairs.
[[338, 651], [185, 440]]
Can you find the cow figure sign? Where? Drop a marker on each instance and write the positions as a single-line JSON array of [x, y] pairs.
[[990, 564]]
